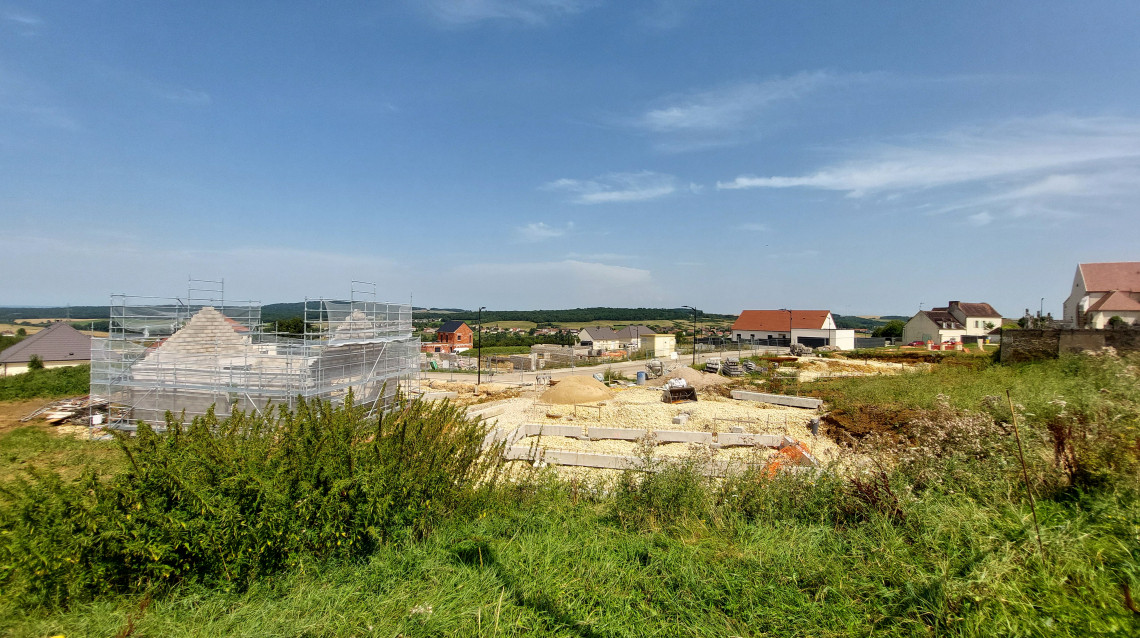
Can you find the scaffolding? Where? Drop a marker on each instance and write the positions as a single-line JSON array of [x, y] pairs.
[[188, 355]]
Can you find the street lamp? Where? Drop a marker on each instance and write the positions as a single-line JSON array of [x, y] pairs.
[[479, 351], [694, 332], [789, 328]]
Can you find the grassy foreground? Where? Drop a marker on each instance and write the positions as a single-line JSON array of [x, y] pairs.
[[935, 539]]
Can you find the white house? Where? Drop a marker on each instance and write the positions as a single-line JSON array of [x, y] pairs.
[[952, 323], [1102, 291], [606, 338], [812, 328]]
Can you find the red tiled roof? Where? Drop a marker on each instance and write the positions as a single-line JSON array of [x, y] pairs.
[[1115, 301], [777, 320], [1117, 275]]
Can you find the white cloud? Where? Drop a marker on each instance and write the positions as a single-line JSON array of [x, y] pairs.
[[533, 12], [539, 231], [617, 187], [730, 107], [1015, 148]]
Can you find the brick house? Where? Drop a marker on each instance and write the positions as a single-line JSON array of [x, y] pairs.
[[452, 336]]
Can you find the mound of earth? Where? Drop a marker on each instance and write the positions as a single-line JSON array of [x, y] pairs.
[[577, 389], [695, 378]]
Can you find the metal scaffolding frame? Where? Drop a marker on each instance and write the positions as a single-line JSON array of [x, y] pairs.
[[188, 355]]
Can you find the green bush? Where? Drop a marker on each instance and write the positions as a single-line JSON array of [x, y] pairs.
[[53, 382], [35, 363], [226, 502]]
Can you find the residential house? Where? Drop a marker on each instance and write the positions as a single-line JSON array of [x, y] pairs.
[[812, 328], [452, 336], [1102, 291], [955, 322], [606, 338], [57, 346]]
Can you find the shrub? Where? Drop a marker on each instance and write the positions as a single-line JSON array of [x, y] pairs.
[[224, 502], [35, 363]]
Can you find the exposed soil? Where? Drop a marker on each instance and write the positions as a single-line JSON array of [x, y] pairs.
[[12, 411], [849, 425]]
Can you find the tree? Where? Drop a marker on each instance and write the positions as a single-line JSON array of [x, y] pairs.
[[21, 332], [1116, 321], [892, 330], [35, 363], [292, 325]]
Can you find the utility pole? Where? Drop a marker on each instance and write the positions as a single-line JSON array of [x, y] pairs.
[[694, 332], [479, 351]]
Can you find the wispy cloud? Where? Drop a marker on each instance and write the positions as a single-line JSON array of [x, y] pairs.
[[24, 19], [729, 107], [1019, 147], [539, 231], [729, 114], [617, 187], [1016, 168], [532, 12], [189, 97]]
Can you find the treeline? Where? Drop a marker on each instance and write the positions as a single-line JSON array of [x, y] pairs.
[[576, 315], [848, 322], [14, 314]]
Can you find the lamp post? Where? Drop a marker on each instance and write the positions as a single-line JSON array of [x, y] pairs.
[[694, 332], [789, 329], [1041, 310], [479, 351]]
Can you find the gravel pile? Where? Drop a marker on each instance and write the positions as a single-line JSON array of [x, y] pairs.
[[577, 389]]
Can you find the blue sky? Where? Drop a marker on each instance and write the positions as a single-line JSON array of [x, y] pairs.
[[861, 157]]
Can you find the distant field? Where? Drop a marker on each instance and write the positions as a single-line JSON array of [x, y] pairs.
[[31, 330], [525, 325]]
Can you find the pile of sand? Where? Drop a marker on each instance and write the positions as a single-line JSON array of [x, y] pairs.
[[695, 378], [578, 389]]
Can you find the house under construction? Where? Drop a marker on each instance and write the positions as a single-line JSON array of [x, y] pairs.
[[175, 355]]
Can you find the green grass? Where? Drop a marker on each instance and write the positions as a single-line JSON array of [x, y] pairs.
[[48, 383], [936, 543], [37, 445]]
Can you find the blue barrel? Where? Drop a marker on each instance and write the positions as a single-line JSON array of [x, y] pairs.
[[641, 378]]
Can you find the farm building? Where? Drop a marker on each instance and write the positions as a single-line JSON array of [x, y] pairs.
[[57, 346]]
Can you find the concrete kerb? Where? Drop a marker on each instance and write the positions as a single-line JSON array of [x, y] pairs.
[[777, 399]]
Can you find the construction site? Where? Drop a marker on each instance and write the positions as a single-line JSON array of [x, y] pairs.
[[187, 355], [582, 424]]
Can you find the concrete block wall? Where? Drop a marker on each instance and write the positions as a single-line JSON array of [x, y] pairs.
[[1030, 345]]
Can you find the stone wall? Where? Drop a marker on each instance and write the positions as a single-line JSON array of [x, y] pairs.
[[1029, 345]]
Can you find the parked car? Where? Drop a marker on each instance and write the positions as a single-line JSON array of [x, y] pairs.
[[917, 343]]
